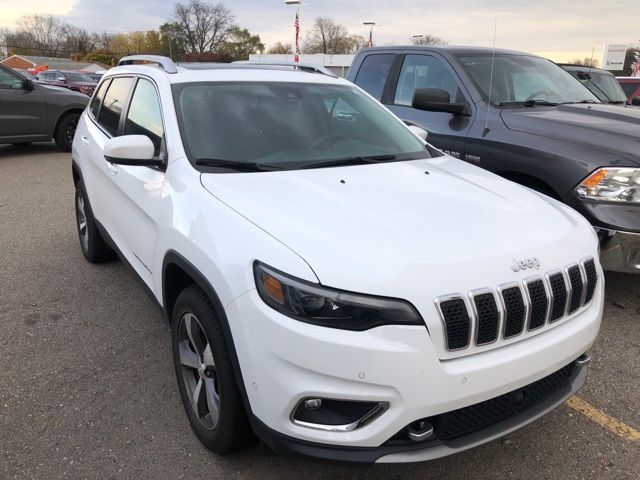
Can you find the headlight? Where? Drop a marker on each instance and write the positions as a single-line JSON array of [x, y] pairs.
[[312, 303], [612, 185]]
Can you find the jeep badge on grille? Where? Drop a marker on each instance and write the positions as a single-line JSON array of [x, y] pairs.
[[532, 262]]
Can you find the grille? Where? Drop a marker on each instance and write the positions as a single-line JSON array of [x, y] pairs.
[[559, 295], [488, 318], [575, 281], [539, 304], [473, 418], [457, 323], [515, 311], [538, 300], [592, 279]]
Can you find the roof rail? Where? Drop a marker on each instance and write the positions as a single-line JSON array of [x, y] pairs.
[[164, 62], [305, 67]]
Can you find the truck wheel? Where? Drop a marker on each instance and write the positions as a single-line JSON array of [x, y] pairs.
[[65, 130], [93, 246], [206, 380]]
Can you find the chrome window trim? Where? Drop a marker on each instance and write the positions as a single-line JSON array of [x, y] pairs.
[[476, 315], [526, 282], [567, 288], [455, 296], [501, 288]]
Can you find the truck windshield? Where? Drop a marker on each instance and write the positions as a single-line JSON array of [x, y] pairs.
[[288, 126], [602, 85], [523, 79]]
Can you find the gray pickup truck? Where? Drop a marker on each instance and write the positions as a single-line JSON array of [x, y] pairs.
[[526, 119], [34, 112]]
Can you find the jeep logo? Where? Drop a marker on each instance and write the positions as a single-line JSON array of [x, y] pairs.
[[526, 263]]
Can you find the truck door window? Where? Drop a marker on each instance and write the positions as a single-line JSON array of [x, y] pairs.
[[373, 74], [424, 71]]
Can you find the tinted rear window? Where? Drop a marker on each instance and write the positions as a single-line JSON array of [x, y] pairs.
[[373, 74], [113, 104], [629, 88]]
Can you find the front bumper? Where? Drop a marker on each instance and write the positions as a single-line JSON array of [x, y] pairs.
[[284, 361], [620, 251]]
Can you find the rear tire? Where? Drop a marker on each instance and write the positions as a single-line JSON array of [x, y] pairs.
[[207, 383], [65, 131], [93, 246]]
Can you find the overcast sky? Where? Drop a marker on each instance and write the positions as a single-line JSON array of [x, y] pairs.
[[559, 29]]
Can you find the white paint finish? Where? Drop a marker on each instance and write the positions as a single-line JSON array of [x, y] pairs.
[[129, 147]]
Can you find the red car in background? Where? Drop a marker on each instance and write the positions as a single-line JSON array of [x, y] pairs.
[[631, 87], [68, 79]]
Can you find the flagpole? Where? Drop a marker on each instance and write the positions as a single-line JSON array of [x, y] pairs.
[[296, 26]]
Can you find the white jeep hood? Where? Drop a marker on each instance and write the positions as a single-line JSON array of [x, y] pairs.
[[393, 230]]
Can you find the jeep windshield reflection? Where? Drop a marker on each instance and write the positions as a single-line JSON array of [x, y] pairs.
[[522, 80]]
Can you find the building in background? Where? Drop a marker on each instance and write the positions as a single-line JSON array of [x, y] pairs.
[[338, 64], [31, 62]]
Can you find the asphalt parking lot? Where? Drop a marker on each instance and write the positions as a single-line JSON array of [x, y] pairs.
[[87, 388]]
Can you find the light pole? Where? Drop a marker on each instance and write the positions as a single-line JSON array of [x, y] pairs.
[[296, 26], [370, 24]]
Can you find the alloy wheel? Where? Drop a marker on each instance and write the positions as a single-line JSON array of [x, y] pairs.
[[82, 222], [198, 371]]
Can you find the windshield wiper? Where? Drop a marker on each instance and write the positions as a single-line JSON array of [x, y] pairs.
[[236, 165], [529, 103], [362, 160], [581, 101]]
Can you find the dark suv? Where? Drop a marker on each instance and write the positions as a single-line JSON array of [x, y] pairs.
[[35, 112], [526, 119], [602, 83], [71, 80]]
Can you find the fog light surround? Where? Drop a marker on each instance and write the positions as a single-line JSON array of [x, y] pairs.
[[336, 415]]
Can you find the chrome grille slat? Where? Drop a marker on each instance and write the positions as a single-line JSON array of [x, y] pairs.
[[488, 315]]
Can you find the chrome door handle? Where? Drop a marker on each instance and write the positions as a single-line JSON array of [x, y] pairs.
[[85, 140], [113, 169]]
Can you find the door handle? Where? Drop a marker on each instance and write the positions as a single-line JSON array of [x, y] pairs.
[[84, 140], [113, 169]]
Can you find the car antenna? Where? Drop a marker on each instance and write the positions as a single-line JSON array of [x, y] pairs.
[[493, 61]]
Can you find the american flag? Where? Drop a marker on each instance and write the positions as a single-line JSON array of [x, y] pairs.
[[296, 24], [371, 37]]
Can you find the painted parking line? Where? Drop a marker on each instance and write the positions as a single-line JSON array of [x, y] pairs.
[[606, 421]]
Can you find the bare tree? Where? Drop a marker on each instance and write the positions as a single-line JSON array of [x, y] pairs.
[[329, 36], [204, 25], [585, 62], [44, 33], [281, 48], [427, 39]]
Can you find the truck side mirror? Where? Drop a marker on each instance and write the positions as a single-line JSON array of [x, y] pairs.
[[436, 100], [635, 101]]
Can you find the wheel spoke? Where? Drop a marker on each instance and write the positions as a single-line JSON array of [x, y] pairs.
[[187, 357], [196, 396], [213, 400], [207, 356], [192, 332]]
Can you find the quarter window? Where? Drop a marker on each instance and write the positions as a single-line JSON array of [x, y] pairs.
[[114, 101], [424, 71], [373, 73], [144, 117], [97, 99]]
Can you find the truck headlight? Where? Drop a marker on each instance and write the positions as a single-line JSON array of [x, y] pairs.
[[327, 307], [612, 185]]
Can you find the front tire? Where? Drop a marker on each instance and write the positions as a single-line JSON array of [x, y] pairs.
[[65, 131], [207, 383], [93, 246]]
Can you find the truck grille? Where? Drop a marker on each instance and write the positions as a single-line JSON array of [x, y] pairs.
[[487, 315]]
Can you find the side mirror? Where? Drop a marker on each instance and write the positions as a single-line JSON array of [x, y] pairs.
[[28, 84], [135, 150], [436, 100], [61, 79], [635, 101], [419, 131]]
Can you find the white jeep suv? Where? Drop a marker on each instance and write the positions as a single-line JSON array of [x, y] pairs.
[[333, 284]]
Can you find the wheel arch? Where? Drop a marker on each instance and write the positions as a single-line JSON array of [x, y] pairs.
[[177, 274], [64, 113]]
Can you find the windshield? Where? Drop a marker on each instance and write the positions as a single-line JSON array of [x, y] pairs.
[[288, 125], [77, 77], [602, 85], [522, 78]]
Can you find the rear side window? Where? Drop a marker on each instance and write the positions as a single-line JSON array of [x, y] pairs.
[[373, 74], [114, 101], [629, 88], [97, 99], [144, 117]]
